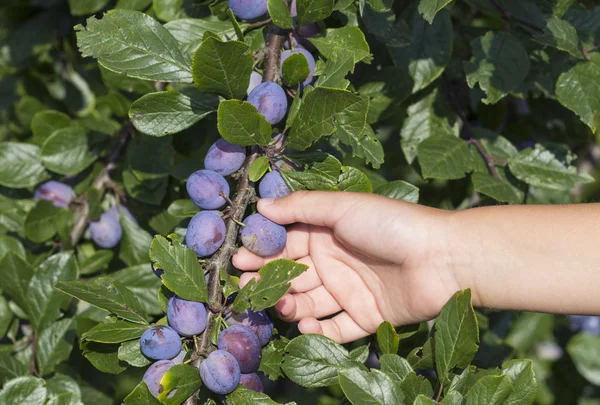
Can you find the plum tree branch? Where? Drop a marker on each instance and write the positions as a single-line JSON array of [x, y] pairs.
[[275, 40], [101, 182]]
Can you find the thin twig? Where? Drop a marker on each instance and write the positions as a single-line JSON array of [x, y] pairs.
[[489, 159], [100, 183], [259, 23], [510, 18]]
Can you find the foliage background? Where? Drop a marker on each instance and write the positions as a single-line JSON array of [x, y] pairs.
[[474, 103]]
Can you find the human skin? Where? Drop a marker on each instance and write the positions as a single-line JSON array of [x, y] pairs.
[[372, 259]]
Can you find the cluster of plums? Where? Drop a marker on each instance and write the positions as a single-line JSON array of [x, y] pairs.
[[106, 232], [236, 360]]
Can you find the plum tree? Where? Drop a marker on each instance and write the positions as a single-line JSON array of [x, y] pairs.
[[224, 158], [262, 236], [252, 382], [273, 186], [309, 58], [255, 79], [60, 194], [154, 375], [270, 100], [106, 231], [248, 9], [188, 318], [205, 233], [220, 372], [258, 322], [160, 343], [243, 344], [205, 188]]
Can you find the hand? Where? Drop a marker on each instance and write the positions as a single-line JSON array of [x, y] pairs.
[[371, 259]]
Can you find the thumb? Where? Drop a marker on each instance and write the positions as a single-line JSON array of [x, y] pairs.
[[321, 208]]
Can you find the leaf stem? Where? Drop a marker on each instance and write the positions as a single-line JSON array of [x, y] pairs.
[[101, 182]]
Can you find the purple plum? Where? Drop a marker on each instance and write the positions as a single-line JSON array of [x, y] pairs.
[[309, 58], [107, 231], [252, 382], [220, 372], [205, 187], [248, 9], [270, 100], [258, 322], [59, 194], [160, 343], [262, 236], [188, 318], [154, 375], [243, 344], [224, 158], [205, 233], [273, 186]]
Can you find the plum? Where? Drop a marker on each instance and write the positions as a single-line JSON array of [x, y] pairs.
[[585, 323], [157, 271], [160, 343], [180, 358], [116, 214], [224, 158], [273, 186], [255, 79], [59, 194], [107, 231], [205, 187], [243, 344], [220, 372], [154, 375], [188, 318], [205, 233], [258, 322], [248, 9], [309, 58], [252, 382], [270, 100], [262, 236]]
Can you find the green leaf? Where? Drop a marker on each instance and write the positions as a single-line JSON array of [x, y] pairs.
[[360, 354], [399, 190], [190, 32], [141, 395], [183, 273], [338, 65], [528, 329], [498, 189], [86, 7], [135, 242], [183, 208], [169, 112], [104, 357], [395, 366], [258, 168], [444, 157], [456, 335], [45, 220], [499, 64], [577, 89], [423, 400], [540, 167], [130, 352], [522, 377], [44, 302], [66, 151], [310, 11], [141, 281], [134, 43], [222, 68], [295, 69], [387, 338], [96, 262], [314, 361], [244, 396], [54, 345], [274, 283], [429, 8], [364, 144], [272, 358], [584, 349], [429, 116], [115, 332], [10, 367], [335, 40], [414, 386], [21, 165], [240, 123], [16, 273], [6, 318], [44, 123], [352, 179], [321, 174], [427, 56], [280, 13], [490, 390], [325, 111], [184, 379], [108, 294], [24, 391], [452, 398], [560, 35], [362, 387]]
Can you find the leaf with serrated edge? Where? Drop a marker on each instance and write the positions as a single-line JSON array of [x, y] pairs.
[[54, 345], [240, 123], [387, 339], [362, 387], [114, 332]]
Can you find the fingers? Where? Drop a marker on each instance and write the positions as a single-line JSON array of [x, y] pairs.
[[306, 281], [320, 208], [341, 328], [316, 303], [296, 246]]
